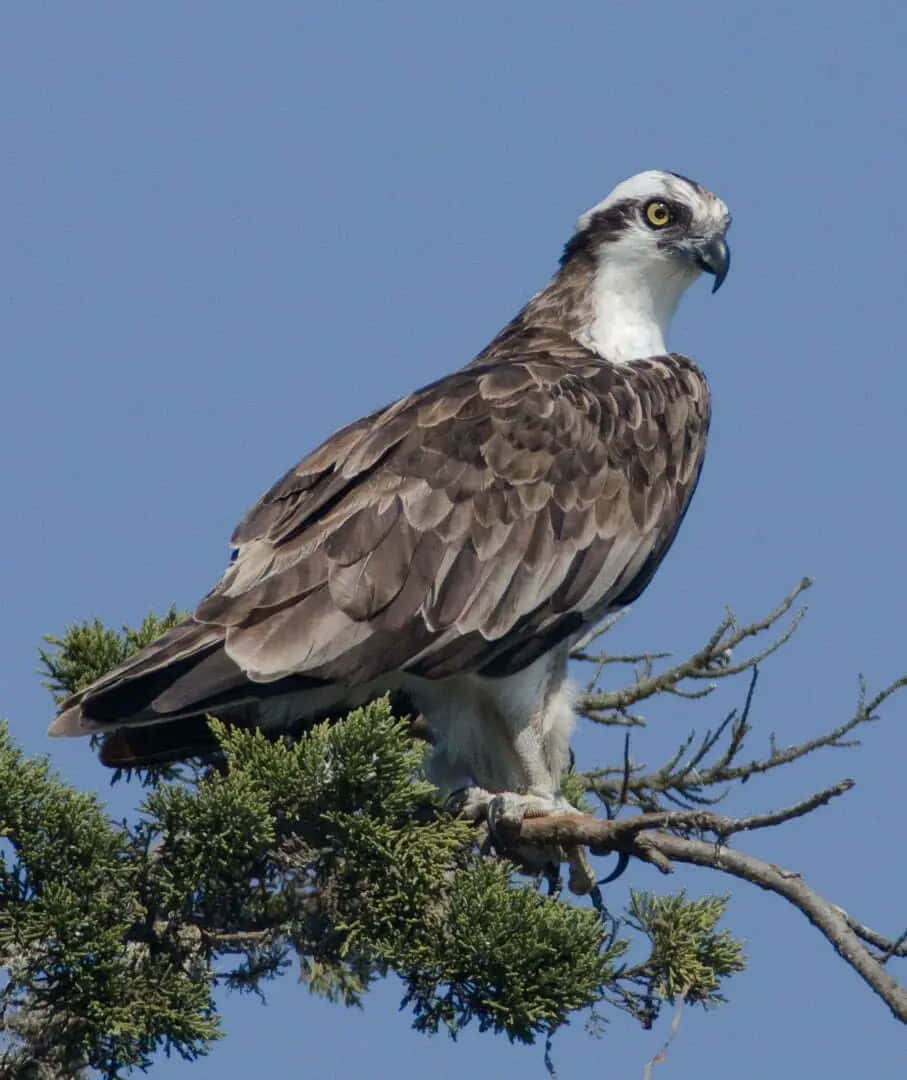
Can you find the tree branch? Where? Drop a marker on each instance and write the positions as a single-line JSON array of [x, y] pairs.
[[684, 780], [711, 661], [890, 948], [825, 916], [602, 836], [646, 837]]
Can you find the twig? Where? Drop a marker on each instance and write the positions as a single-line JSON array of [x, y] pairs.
[[602, 628], [602, 836], [643, 787], [893, 949], [238, 937], [896, 947], [663, 1052], [708, 662]]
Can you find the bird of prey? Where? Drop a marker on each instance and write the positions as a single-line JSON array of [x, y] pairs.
[[452, 546]]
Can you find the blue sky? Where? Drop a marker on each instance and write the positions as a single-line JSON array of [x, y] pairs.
[[228, 229]]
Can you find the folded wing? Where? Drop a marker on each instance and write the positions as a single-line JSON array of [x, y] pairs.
[[473, 518], [469, 526]]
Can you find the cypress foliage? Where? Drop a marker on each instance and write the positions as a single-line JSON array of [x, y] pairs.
[[330, 853]]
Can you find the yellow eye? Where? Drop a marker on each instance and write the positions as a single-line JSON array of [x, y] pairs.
[[658, 214]]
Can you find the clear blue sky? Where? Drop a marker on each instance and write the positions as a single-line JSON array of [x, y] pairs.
[[229, 228]]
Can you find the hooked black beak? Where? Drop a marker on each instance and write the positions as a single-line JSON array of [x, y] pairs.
[[714, 256]]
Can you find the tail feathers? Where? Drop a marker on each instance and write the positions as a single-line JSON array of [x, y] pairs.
[[172, 740], [185, 667], [278, 709], [154, 708], [160, 744]]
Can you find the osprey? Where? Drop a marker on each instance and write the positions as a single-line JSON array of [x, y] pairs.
[[452, 546]]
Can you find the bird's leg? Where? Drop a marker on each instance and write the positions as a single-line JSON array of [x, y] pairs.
[[469, 802], [582, 879], [506, 813]]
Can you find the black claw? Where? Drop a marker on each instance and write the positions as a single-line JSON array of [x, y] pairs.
[[623, 861], [607, 919], [552, 873], [453, 804]]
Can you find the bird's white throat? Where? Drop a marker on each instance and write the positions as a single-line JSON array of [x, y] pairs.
[[632, 304]]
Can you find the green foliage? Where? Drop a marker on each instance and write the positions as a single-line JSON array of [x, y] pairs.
[[79, 988], [89, 650], [688, 957], [575, 791], [331, 850], [517, 961], [343, 819]]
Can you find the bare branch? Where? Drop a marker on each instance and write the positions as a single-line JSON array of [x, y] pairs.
[[646, 837], [881, 696], [221, 939], [602, 836], [825, 916], [617, 718], [602, 628], [687, 782], [896, 947], [699, 773], [710, 662], [776, 817], [691, 695], [626, 658]]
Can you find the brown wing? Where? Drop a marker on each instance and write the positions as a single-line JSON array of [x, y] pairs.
[[470, 525]]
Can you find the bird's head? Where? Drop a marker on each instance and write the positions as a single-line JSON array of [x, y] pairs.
[[660, 224], [633, 255]]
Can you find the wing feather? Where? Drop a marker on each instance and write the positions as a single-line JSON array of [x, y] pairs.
[[468, 526], [493, 503], [365, 587]]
